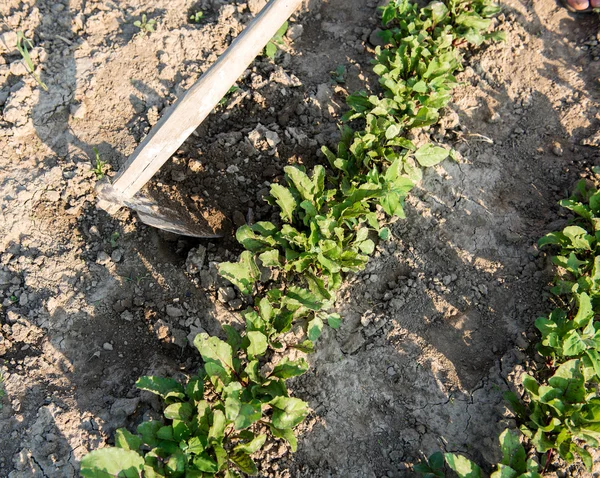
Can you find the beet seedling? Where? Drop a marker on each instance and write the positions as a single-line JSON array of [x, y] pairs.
[[145, 25], [197, 17]]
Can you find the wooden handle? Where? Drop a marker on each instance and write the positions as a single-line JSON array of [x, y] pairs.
[[184, 116]]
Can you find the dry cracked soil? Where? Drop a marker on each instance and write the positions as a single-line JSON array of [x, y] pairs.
[[436, 328]]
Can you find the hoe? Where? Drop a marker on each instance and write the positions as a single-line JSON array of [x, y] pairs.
[[181, 119]]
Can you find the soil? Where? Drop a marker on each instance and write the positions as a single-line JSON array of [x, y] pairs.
[[436, 328]]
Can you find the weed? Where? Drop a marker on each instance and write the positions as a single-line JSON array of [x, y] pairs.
[[98, 165], [276, 41], [23, 45], [13, 298], [339, 74], [114, 237], [197, 17], [145, 25]]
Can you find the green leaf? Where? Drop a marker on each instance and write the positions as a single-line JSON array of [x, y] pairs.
[[243, 274], [258, 344], [249, 414], [513, 453], [463, 467], [573, 344], [112, 462], [205, 463], [334, 321], [270, 258], [287, 434], [302, 297], [127, 440], [163, 387], [195, 388], [271, 50], [179, 411], [285, 200], [252, 446], [288, 412], [217, 429], [384, 234], [429, 155], [315, 326], [148, 431], [585, 313], [217, 355], [244, 462], [287, 368]]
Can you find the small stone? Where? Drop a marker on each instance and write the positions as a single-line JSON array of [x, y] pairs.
[[225, 294], [375, 38], [519, 130], [295, 31], [256, 6], [391, 371], [23, 300], [272, 138], [52, 196], [495, 118], [195, 259], [173, 311], [238, 219], [236, 304], [557, 149], [233, 169], [116, 255], [18, 68], [177, 175], [102, 258], [78, 111], [127, 315], [124, 407], [8, 42], [107, 346]]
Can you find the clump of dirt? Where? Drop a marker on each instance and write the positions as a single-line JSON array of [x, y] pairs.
[[436, 327]]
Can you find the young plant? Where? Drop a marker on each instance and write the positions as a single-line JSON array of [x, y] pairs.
[[339, 74], [23, 45], [98, 165], [145, 25], [276, 41], [114, 237], [197, 17]]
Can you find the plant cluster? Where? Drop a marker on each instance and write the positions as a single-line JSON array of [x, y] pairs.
[[329, 222], [514, 463], [560, 410]]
